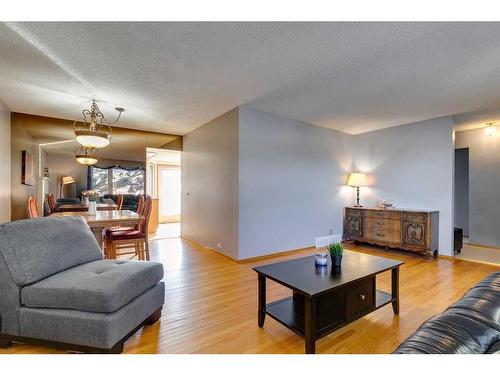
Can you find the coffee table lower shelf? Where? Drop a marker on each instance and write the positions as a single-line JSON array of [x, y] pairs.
[[285, 312]]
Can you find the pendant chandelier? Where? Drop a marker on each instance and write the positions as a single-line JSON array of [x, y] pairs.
[[94, 131], [85, 155]]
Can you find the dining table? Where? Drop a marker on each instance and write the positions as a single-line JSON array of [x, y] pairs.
[[72, 207], [104, 219]]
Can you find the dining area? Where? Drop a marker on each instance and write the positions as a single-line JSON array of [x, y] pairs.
[[119, 232]]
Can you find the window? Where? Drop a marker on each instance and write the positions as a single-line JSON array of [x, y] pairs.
[[100, 180], [128, 182], [117, 180]]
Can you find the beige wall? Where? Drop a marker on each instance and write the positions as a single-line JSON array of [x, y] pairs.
[[5, 163], [65, 165], [127, 148], [21, 140]]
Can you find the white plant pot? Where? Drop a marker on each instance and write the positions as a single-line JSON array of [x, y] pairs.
[[92, 207]]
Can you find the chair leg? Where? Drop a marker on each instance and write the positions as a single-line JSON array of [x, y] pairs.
[[106, 248], [146, 242], [112, 250], [141, 249], [137, 251], [154, 317]]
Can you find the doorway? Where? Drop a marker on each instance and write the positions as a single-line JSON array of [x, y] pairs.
[[470, 251], [462, 191], [164, 185], [169, 193]]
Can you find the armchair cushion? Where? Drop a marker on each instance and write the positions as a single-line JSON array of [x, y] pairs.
[[102, 286], [34, 249]]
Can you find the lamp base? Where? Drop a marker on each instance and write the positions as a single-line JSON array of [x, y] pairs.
[[357, 198]]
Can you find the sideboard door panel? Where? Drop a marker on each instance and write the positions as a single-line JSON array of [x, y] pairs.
[[414, 234], [354, 226]]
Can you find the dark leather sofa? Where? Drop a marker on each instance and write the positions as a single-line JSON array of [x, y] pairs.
[[470, 326], [129, 200]]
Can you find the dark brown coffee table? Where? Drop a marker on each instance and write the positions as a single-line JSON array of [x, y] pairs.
[[324, 301]]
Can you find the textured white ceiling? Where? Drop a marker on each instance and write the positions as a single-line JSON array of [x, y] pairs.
[[173, 77]]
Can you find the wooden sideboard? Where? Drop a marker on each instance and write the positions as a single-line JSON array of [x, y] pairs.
[[407, 229]]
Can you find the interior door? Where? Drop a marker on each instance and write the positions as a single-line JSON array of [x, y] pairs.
[[169, 193]]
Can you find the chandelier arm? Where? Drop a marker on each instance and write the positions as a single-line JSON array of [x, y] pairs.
[[110, 129], [118, 117], [85, 113]]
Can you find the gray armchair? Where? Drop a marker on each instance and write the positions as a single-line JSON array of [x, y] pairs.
[[56, 290]]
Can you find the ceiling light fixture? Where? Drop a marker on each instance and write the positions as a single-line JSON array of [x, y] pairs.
[[94, 131], [490, 129], [85, 155]]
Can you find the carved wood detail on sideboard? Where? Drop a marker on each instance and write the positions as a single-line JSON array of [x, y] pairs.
[[413, 230]]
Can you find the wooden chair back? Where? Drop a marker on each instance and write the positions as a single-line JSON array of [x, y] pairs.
[[146, 214], [51, 200], [119, 201], [33, 208], [140, 205]]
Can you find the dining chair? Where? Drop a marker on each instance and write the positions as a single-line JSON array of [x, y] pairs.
[[51, 200], [137, 238], [140, 205], [33, 208], [106, 232], [119, 201]]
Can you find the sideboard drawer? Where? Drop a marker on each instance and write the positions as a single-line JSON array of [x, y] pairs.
[[354, 212], [376, 232], [360, 298], [383, 214], [415, 217]]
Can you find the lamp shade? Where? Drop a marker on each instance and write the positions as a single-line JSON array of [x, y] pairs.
[[490, 130], [92, 139], [357, 179], [67, 180]]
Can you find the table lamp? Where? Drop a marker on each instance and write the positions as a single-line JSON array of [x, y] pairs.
[[65, 181], [357, 180]]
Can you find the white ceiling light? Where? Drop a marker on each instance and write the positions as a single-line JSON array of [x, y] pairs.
[[490, 129], [85, 156], [94, 131]]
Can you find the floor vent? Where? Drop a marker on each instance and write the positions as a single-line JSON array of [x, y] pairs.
[[327, 240]]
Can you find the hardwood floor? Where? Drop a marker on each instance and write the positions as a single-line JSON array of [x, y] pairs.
[[211, 305]]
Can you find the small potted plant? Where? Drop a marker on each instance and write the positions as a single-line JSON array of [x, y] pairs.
[[335, 249]]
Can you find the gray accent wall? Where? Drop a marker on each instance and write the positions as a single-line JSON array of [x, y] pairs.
[[484, 185], [257, 183], [210, 185], [462, 190], [292, 179], [411, 165], [5, 164]]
